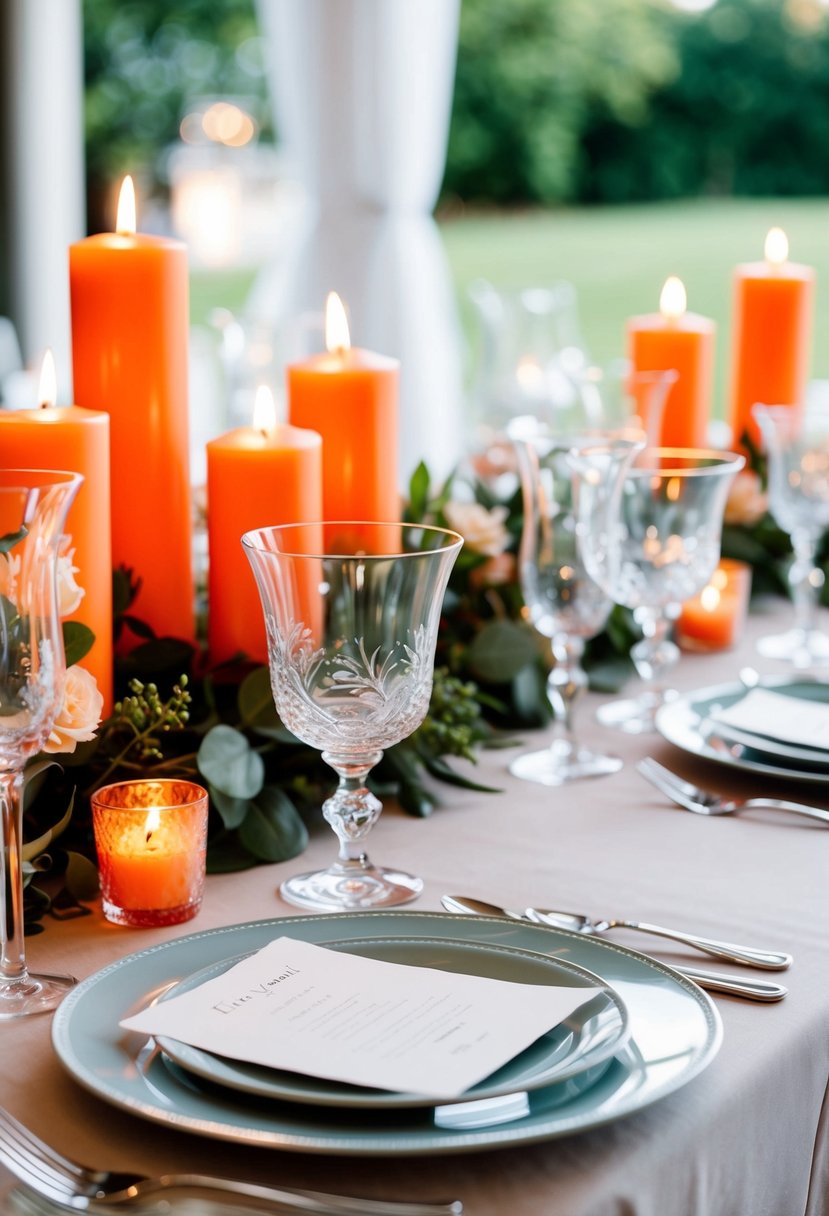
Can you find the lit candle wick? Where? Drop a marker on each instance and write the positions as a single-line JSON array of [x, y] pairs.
[[47, 393], [264, 411], [337, 336]]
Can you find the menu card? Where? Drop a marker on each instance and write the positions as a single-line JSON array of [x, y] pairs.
[[774, 716], [315, 1011]]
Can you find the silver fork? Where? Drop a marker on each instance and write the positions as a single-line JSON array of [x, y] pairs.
[[702, 802], [63, 1181]]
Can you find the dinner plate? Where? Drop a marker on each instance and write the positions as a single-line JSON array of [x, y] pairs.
[[686, 722], [588, 1039], [675, 1032]]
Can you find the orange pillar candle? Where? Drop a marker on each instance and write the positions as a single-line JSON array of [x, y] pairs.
[[773, 312], [151, 841], [714, 619], [257, 476], [350, 396], [76, 440], [129, 295], [683, 341]]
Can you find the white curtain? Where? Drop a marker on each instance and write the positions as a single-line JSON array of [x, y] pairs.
[[362, 91]]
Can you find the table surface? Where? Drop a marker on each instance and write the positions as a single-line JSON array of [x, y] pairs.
[[749, 1137]]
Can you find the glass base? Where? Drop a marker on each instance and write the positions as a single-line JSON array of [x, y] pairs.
[[635, 715], [561, 763], [800, 647], [149, 918], [346, 889], [33, 994]]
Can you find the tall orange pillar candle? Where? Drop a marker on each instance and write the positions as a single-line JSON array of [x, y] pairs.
[[683, 341], [351, 397], [257, 476], [773, 312], [129, 295], [77, 440]]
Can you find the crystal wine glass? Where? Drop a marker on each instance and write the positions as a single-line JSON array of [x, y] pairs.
[[650, 548], [623, 402], [351, 612], [797, 444], [564, 603], [33, 507]]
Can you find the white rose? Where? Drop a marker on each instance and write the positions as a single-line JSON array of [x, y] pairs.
[[69, 593], [9, 571], [482, 529], [80, 713], [747, 503]]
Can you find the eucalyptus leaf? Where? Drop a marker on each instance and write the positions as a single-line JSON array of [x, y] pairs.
[[227, 761], [232, 810], [257, 710], [415, 800], [81, 876], [78, 640], [34, 775], [11, 539], [500, 650], [418, 493], [441, 770], [529, 696], [34, 847], [225, 855], [273, 829]]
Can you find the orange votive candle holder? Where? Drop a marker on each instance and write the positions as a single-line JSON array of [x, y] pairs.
[[714, 619], [151, 839]]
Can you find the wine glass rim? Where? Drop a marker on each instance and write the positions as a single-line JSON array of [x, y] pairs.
[[717, 461], [14, 478], [196, 793], [454, 540], [527, 429]]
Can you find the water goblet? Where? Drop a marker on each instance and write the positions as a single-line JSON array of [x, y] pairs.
[[651, 548], [563, 602], [797, 444], [351, 614], [621, 401], [33, 507]]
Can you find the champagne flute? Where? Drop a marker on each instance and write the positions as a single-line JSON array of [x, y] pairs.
[[33, 507]]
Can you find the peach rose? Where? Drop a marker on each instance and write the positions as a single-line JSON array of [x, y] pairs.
[[69, 593], [495, 573], [80, 713], [9, 571], [482, 529], [747, 503]]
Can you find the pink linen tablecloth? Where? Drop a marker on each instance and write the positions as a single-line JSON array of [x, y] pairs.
[[749, 1137]]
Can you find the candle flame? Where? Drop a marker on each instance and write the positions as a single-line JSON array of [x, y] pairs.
[[673, 300], [709, 598], [47, 393], [337, 336], [125, 223], [777, 247], [264, 410], [152, 822]]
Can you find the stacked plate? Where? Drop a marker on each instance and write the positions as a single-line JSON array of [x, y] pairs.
[[643, 1032], [698, 723]]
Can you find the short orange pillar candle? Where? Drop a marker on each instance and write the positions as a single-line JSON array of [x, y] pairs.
[[151, 840], [682, 341], [713, 620], [773, 315]]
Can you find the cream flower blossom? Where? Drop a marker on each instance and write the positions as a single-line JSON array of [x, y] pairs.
[[482, 529], [747, 502], [9, 572], [80, 713], [69, 593], [497, 572]]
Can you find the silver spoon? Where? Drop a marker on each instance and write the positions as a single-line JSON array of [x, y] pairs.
[[714, 981]]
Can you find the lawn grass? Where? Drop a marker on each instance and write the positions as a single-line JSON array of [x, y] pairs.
[[617, 258]]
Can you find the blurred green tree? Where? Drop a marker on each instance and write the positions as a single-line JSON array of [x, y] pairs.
[[531, 77]]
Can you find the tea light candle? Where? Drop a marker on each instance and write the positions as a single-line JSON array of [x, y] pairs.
[[714, 619], [151, 839]]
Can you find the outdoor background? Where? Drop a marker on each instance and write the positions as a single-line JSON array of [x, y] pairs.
[[606, 142]]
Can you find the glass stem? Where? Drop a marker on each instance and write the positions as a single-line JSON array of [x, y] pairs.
[[806, 582], [352, 810], [656, 653], [566, 681], [12, 953]]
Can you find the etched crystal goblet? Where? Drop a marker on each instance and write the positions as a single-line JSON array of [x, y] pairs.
[[564, 603], [351, 613], [33, 507], [651, 548], [797, 444]]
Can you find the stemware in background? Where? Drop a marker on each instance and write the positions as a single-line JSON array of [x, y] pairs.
[[797, 445], [623, 402], [563, 601], [33, 507], [650, 548], [352, 612]]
